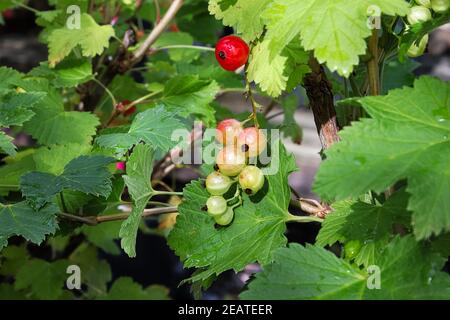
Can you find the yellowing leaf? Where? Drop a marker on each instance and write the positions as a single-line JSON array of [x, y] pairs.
[[91, 37]]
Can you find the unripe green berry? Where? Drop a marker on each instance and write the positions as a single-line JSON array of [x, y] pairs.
[[216, 205], [440, 6], [251, 179], [352, 248], [226, 218], [425, 3], [419, 14], [218, 184]]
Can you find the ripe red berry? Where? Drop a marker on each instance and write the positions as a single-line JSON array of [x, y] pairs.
[[120, 166], [8, 14], [122, 107], [114, 20], [228, 131], [231, 52], [252, 141]]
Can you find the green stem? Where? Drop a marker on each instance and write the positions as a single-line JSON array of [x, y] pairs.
[[23, 5], [63, 203], [252, 99], [237, 194], [373, 70], [12, 186], [302, 219], [202, 48], [167, 193], [141, 99], [114, 101]]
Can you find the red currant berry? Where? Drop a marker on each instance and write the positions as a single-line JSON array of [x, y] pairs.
[[114, 20], [228, 131], [230, 161], [120, 166], [252, 141], [217, 184], [251, 179], [122, 107], [8, 14], [231, 52]]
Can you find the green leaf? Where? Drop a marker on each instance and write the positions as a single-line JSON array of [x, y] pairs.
[[51, 124], [62, 127], [7, 291], [69, 73], [244, 16], [9, 78], [208, 69], [15, 108], [95, 273], [397, 75], [11, 172], [371, 225], [138, 181], [407, 137], [103, 235], [87, 174], [408, 270], [48, 16], [125, 288], [21, 220], [306, 273], [267, 73], [6, 144], [154, 126], [334, 29], [188, 95], [91, 37], [45, 279], [285, 71], [12, 258], [54, 159], [257, 229]]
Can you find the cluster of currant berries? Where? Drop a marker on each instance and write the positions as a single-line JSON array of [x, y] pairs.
[[239, 146], [421, 13]]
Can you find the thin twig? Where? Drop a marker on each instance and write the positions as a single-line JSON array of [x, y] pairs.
[[373, 70], [94, 220], [250, 97], [157, 30]]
